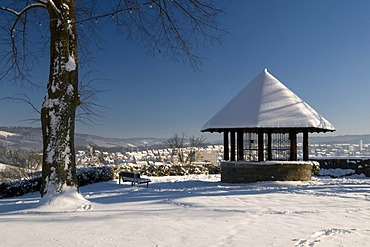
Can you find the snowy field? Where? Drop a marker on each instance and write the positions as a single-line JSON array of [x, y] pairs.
[[2, 166], [197, 211], [6, 134]]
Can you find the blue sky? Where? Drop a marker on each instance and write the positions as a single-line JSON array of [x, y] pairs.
[[318, 49]]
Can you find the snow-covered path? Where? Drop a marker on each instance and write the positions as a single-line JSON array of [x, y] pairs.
[[199, 211]]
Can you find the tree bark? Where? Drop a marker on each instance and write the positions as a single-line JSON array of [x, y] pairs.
[[60, 103]]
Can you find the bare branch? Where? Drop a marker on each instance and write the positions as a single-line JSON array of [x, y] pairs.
[[12, 11], [20, 14], [89, 111], [186, 151], [131, 8], [13, 59], [197, 141], [27, 8], [23, 98], [169, 27]]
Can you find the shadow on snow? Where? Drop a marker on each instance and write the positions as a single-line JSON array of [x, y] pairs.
[[163, 192]]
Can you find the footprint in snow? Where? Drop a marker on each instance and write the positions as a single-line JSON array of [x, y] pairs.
[[318, 236]]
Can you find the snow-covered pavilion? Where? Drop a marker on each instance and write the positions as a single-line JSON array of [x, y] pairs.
[[266, 118]]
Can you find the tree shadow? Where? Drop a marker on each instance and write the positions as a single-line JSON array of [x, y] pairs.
[[163, 192]]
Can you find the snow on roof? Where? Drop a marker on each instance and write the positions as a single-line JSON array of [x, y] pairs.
[[267, 103]]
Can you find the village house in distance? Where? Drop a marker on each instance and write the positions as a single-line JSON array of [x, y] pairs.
[[261, 123]]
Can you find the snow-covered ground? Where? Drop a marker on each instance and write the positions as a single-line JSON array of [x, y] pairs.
[[6, 134], [2, 166], [198, 211]]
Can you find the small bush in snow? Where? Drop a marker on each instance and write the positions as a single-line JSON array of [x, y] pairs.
[[19, 187], [94, 175], [336, 173]]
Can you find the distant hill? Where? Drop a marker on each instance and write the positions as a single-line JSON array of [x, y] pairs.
[[27, 138], [351, 139]]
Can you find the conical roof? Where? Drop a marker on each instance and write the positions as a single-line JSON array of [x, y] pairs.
[[267, 103]]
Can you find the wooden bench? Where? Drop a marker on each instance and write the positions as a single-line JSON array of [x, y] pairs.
[[133, 177]]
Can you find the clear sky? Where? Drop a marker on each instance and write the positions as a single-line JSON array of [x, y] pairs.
[[318, 49]]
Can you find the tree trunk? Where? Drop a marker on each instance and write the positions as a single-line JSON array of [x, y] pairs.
[[60, 103]]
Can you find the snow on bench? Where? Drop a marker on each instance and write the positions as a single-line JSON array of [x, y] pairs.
[[133, 177]]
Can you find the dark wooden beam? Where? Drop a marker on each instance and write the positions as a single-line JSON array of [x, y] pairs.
[[293, 146], [232, 144], [226, 145], [305, 146], [260, 146], [240, 145], [269, 146]]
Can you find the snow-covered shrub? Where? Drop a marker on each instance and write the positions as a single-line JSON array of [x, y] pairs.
[[84, 176], [94, 175], [315, 167], [19, 187], [167, 169], [336, 173]]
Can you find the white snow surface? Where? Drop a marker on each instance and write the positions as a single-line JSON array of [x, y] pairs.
[[71, 64], [267, 103], [6, 133], [337, 172], [3, 166], [197, 211], [70, 200]]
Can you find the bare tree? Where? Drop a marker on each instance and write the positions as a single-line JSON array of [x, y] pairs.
[[21, 164], [176, 141], [170, 27], [178, 144], [28, 164], [186, 148], [194, 144]]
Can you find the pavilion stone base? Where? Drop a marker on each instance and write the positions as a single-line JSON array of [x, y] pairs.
[[248, 172]]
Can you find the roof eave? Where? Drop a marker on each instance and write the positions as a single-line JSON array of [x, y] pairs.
[[270, 130]]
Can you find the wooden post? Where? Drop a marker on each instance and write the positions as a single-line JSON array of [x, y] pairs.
[[226, 145], [260, 146], [269, 146], [240, 145], [293, 146], [232, 143], [305, 146]]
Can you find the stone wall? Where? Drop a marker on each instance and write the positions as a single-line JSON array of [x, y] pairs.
[[247, 172]]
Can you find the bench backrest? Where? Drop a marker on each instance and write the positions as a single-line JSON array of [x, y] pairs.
[[129, 174]]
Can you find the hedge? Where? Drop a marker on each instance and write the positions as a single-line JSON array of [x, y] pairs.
[[84, 176], [155, 170], [106, 173]]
